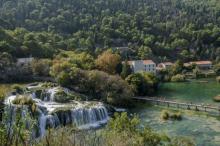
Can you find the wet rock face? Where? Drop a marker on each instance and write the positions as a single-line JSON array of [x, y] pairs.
[[55, 107], [1, 109]]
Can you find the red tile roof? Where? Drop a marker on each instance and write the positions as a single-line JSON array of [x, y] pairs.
[[144, 61], [148, 62]]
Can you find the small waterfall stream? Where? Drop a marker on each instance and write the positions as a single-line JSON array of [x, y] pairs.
[[52, 114]]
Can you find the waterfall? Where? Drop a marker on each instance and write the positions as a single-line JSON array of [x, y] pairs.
[[51, 114], [92, 117], [82, 118], [50, 94], [42, 124]]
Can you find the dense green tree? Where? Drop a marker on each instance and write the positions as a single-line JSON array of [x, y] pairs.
[[144, 52], [126, 69], [177, 68], [166, 26], [6, 64], [96, 84], [81, 60], [143, 83]]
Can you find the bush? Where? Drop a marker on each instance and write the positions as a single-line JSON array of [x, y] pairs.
[[164, 115], [108, 62], [178, 78], [62, 97], [2, 96], [176, 116], [41, 67], [23, 100], [218, 79], [216, 98], [217, 68], [18, 89], [110, 88]]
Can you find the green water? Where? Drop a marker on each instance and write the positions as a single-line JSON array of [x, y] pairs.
[[202, 128], [196, 91]]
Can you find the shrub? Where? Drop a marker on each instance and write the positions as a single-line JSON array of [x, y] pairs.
[[18, 89], [61, 97], [164, 115], [2, 96], [41, 67], [176, 116], [178, 78], [110, 88], [217, 68], [23, 100], [48, 84], [108, 62], [216, 98], [218, 79]]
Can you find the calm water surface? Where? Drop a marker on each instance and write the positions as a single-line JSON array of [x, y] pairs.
[[196, 91]]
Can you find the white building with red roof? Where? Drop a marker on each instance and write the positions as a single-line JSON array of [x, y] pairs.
[[142, 65], [202, 64]]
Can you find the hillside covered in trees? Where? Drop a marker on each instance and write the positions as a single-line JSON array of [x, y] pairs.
[[161, 29]]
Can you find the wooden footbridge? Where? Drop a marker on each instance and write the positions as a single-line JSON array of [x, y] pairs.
[[180, 105]]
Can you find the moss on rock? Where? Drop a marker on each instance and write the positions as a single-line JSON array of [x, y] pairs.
[[23, 100]]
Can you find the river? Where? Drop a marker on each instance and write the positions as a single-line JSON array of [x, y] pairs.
[[202, 128]]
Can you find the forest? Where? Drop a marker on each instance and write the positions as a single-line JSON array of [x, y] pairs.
[[158, 29]]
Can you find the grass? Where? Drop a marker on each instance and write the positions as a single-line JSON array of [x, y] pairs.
[[6, 88]]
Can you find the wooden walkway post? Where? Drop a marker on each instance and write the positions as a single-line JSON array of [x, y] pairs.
[[197, 108], [188, 106]]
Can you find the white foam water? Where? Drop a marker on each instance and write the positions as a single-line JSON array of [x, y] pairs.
[[83, 115]]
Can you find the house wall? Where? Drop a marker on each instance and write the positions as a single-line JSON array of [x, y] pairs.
[[205, 66], [138, 66]]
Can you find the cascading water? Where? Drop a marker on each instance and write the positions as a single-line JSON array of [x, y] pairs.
[[51, 114]]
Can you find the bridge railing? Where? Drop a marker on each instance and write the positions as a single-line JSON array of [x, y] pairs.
[[183, 105]]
